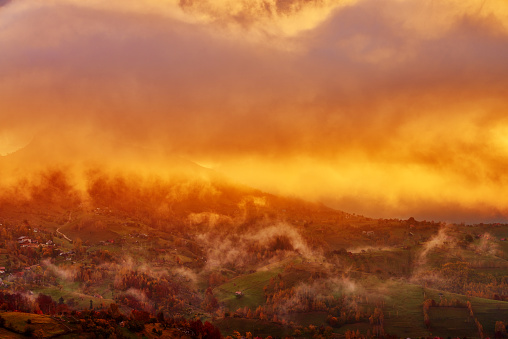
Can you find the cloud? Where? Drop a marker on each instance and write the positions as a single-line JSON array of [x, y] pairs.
[[235, 248], [389, 102]]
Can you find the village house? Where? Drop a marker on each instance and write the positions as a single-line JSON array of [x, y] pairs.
[[24, 240]]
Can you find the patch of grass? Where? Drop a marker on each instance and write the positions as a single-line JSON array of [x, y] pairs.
[[309, 318], [451, 321], [403, 311], [49, 326], [71, 291], [6, 334], [251, 285], [488, 312]]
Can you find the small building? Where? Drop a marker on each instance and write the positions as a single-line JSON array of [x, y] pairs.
[[239, 294]]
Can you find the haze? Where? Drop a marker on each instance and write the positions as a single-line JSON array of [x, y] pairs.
[[388, 108]]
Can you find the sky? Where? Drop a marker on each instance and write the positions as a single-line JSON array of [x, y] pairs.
[[386, 108]]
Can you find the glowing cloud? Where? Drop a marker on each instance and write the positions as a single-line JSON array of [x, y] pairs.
[[387, 108]]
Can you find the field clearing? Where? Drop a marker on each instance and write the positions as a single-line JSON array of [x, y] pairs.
[[488, 312], [50, 327], [403, 312], [310, 318], [431, 293], [251, 285], [69, 291], [404, 315], [5, 334], [451, 321]]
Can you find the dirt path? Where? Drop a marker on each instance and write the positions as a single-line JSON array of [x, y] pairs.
[[63, 235]]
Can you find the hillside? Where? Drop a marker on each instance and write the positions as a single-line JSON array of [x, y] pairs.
[[244, 260]]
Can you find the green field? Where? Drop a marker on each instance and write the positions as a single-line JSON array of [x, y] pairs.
[[451, 321], [309, 318], [70, 290], [488, 312], [251, 285], [18, 322], [403, 311]]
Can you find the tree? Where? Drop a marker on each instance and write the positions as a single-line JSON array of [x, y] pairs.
[[500, 329], [46, 303], [78, 245]]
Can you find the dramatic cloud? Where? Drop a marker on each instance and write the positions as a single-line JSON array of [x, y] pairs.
[[382, 107]]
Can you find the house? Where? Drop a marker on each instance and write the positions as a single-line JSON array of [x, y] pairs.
[[238, 294]]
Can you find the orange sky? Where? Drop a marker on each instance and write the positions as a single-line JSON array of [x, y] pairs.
[[388, 108]]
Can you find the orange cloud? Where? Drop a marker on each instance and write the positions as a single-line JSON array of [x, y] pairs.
[[383, 107]]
